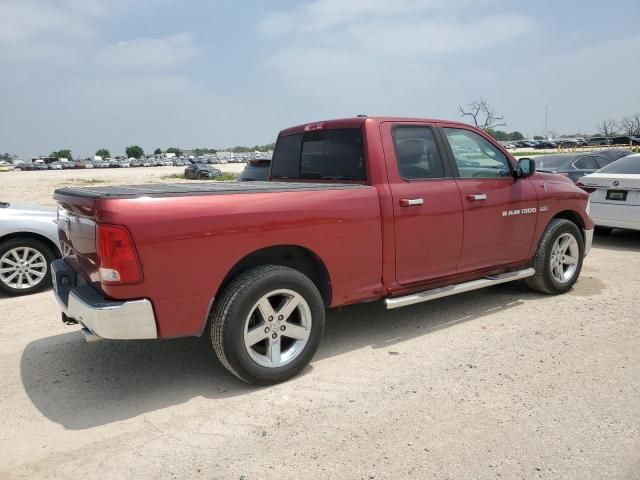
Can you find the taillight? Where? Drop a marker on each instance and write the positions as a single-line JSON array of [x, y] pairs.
[[118, 262], [585, 188]]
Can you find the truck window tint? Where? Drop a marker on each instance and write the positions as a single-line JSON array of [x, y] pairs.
[[326, 154], [475, 156], [286, 158], [417, 153]]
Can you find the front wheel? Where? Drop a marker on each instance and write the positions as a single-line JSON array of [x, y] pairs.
[[267, 324], [558, 260]]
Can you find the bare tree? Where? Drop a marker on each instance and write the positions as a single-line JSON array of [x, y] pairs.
[[630, 125], [483, 115], [607, 128]]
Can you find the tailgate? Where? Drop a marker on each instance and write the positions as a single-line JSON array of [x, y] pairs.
[[77, 233]]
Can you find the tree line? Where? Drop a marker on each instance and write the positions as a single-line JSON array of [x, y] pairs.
[[136, 151], [629, 126]]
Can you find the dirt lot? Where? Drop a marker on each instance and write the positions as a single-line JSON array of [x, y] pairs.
[[500, 383], [38, 186]]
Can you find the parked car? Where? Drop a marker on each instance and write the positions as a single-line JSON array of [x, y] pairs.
[[566, 142], [28, 245], [576, 165], [615, 194], [598, 141], [255, 170], [201, 171], [363, 209], [542, 144], [625, 140]]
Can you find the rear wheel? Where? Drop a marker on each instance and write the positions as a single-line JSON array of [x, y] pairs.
[[558, 260], [267, 324], [24, 266]]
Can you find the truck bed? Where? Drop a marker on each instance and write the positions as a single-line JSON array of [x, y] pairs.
[[200, 188]]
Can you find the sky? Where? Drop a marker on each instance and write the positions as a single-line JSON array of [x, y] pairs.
[[87, 74]]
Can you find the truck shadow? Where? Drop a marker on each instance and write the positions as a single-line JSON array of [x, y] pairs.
[[82, 385], [622, 240]]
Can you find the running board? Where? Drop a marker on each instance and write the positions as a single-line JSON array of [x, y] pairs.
[[459, 288]]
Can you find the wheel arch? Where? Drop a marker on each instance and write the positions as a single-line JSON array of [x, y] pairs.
[[573, 217], [33, 236], [297, 257]]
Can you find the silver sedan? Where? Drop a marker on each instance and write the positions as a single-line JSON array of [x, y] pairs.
[[28, 245]]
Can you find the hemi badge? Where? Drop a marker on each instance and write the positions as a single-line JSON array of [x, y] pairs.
[[544, 209]]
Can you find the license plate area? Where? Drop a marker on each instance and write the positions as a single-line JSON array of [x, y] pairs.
[[617, 195]]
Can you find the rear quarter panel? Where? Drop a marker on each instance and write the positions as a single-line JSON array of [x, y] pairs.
[[188, 244]]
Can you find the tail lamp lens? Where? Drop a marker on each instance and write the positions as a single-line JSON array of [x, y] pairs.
[[585, 188], [118, 262]]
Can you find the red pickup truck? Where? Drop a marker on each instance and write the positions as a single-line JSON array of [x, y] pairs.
[[359, 209]]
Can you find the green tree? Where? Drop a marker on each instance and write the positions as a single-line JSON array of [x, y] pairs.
[[103, 152], [66, 153], [175, 150], [157, 151], [203, 151], [134, 151], [538, 137], [517, 136]]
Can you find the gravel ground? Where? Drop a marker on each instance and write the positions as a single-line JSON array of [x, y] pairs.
[[36, 187], [498, 383]]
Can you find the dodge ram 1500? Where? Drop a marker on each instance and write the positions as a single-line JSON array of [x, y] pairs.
[[393, 209]]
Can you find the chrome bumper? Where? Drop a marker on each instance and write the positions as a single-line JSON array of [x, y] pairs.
[[103, 318], [588, 241]]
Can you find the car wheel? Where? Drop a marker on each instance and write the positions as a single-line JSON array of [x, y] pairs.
[[24, 266], [267, 324], [558, 260]]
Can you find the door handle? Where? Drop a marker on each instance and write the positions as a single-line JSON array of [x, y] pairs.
[[411, 202], [477, 197]]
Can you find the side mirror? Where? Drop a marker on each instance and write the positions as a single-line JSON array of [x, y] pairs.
[[526, 167]]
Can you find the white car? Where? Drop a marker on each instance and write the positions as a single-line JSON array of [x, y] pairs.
[[28, 244], [615, 194]]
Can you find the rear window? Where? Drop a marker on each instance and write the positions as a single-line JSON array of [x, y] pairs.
[[630, 164], [552, 161], [320, 155]]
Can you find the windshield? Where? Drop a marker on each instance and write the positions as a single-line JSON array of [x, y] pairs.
[[626, 165], [320, 155]]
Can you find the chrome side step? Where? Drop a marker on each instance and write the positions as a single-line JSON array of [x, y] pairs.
[[459, 288]]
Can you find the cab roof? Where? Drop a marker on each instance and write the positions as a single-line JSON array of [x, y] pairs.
[[358, 122]]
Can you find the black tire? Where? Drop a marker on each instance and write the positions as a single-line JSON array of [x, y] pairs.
[[233, 307], [603, 230], [35, 244], [544, 281]]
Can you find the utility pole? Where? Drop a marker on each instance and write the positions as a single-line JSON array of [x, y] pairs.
[[546, 115]]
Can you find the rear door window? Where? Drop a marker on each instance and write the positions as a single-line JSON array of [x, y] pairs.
[[321, 155], [417, 153]]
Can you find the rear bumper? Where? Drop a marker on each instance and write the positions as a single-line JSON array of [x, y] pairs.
[[113, 320]]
